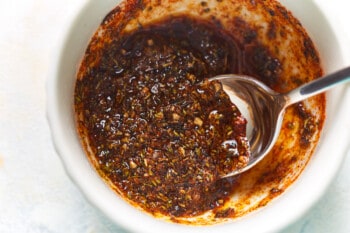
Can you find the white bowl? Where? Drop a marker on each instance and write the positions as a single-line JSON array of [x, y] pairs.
[[279, 213]]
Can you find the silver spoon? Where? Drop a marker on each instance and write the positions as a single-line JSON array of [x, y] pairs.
[[264, 108]]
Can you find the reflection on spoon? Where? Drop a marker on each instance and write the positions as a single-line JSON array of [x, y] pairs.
[[264, 108]]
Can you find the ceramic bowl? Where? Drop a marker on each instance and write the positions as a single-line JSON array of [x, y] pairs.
[[279, 213]]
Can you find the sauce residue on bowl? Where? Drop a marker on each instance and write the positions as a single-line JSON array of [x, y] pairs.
[[160, 139]]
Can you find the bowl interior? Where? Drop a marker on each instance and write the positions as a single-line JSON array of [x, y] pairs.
[[60, 91]]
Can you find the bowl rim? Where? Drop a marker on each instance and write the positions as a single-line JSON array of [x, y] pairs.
[[151, 224]]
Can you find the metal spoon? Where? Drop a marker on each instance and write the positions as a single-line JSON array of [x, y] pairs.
[[264, 108]]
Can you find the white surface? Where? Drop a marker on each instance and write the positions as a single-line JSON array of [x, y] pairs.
[[35, 192]]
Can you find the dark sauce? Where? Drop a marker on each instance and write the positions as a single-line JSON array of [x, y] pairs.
[[160, 132]]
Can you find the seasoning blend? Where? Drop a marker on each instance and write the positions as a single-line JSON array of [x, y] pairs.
[[161, 135]]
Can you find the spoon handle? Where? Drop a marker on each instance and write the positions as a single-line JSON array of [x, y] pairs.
[[319, 85]]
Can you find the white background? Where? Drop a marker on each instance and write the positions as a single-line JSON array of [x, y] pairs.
[[35, 193]]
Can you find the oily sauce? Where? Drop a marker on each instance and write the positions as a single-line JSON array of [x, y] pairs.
[[158, 129], [161, 135]]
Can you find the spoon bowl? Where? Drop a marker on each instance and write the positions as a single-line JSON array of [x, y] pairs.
[[264, 108]]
